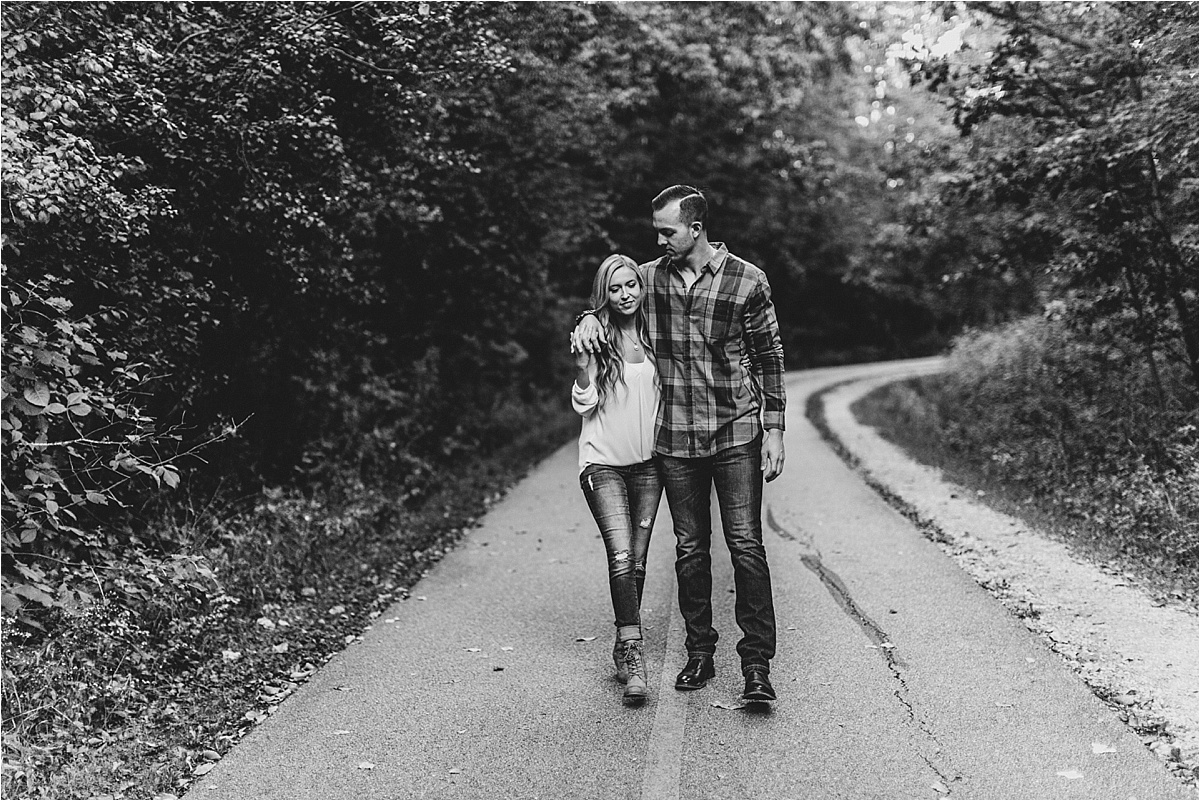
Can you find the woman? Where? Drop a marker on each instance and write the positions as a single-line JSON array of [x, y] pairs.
[[616, 391]]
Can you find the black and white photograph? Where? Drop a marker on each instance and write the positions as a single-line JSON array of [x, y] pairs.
[[601, 399]]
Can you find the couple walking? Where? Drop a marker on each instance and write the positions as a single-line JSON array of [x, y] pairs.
[[679, 381]]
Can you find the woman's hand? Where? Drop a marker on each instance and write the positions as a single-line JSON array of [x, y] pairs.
[[583, 359], [585, 364]]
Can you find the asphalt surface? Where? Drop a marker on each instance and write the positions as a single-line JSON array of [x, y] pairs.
[[898, 677]]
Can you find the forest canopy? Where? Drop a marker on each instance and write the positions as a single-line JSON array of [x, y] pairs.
[[253, 245]]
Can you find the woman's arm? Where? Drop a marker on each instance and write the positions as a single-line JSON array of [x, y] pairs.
[[584, 396], [585, 368]]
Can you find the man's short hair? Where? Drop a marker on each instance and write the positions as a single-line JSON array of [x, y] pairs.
[[692, 205]]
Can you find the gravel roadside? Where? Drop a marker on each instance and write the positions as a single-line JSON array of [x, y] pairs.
[[1136, 653]]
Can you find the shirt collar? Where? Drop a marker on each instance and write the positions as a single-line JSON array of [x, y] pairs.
[[720, 254], [713, 265]]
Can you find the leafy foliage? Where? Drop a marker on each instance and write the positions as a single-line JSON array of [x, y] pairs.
[[329, 251], [1083, 134], [1078, 429], [177, 179]]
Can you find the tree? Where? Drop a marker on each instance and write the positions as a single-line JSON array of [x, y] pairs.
[[179, 194], [1083, 129]]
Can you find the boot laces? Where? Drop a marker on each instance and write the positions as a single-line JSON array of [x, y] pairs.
[[635, 658]]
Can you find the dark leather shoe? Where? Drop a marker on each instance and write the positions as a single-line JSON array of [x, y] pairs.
[[696, 673], [758, 687]]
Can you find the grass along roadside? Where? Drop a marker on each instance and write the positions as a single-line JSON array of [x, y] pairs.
[[904, 414], [113, 706]]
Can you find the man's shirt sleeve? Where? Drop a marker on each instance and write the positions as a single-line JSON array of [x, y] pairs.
[[765, 351]]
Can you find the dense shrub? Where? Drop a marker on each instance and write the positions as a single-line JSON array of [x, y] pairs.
[[1102, 431]]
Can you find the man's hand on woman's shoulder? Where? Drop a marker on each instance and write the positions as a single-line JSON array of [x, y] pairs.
[[588, 334]]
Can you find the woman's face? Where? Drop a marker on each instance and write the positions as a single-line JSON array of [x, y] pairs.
[[624, 291]]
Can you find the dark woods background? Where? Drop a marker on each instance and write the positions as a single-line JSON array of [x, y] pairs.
[[256, 251]]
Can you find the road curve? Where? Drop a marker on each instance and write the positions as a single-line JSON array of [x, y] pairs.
[[898, 677]]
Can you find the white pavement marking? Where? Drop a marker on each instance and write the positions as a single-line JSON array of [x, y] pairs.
[[665, 756]]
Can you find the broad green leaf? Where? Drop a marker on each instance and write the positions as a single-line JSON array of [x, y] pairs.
[[38, 394]]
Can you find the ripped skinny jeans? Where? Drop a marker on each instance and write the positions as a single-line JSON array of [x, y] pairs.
[[624, 500]]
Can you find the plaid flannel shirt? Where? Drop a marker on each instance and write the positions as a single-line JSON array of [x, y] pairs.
[[719, 355]]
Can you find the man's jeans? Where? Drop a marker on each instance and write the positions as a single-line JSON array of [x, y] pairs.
[[624, 501], [737, 474]]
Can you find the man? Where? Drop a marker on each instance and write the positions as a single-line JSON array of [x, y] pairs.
[[720, 361]]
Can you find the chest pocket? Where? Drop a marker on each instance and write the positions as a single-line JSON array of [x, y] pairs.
[[717, 318]]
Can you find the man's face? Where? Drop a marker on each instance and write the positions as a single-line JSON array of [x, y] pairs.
[[674, 236]]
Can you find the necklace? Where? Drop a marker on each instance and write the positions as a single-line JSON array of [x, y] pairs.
[[631, 341]]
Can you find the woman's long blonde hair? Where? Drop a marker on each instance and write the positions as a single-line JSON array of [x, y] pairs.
[[610, 367]]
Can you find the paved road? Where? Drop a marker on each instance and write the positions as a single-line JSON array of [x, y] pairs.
[[898, 677]]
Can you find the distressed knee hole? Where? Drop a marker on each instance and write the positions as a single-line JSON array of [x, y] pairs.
[[621, 556], [644, 523]]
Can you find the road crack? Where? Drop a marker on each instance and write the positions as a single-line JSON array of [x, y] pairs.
[[810, 557]]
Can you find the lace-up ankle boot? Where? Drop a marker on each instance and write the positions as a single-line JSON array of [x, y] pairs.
[[619, 661], [635, 667]]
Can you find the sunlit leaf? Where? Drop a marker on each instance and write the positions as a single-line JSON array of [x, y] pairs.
[[37, 395]]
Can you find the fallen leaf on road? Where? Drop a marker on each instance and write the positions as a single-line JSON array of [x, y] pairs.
[[304, 672], [886, 645], [473, 650], [584, 639], [506, 648], [462, 731], [366, 766], [941, 788], [337, 610], [231, 656], [726, 705], [266, 623], [1070, 774], [342, 731], [1101, 748], [200, 770], [210, 755]]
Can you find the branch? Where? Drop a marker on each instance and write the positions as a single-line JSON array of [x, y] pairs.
[[362, 63], [1008, 13], [192, 36], [324, 17]]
